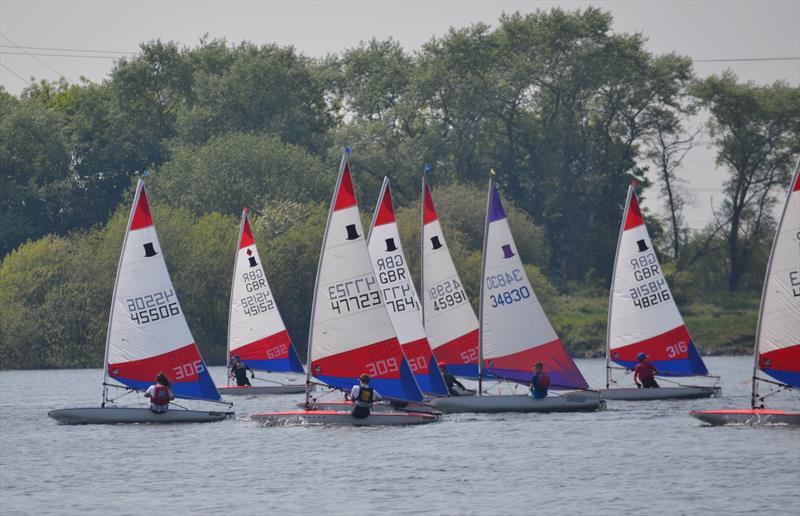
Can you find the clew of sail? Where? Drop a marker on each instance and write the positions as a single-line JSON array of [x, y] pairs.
[[147, 330], [350, 330], [400, 296], [515, 332], [256, 332], [778, 334], [643, 316], [450, 321]]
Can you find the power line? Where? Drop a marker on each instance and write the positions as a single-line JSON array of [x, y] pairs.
[[34, 57], [18, 76], [742, 59], [6, 52], [72, 50]]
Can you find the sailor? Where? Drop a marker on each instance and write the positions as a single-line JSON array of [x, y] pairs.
[[645, 372], [239, 370], [362, 396], [539, 382], [160, 394], [450, 380]]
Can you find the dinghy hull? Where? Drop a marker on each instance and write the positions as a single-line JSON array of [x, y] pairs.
[[664, 393], [121, 415], [332, 417], [572, 402], [262, 389], [746, 417], [346, 406]]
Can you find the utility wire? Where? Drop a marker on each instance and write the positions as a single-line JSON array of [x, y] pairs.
[[34, 57], [18, 76], [743, 59], [6, 52], [71, 50]]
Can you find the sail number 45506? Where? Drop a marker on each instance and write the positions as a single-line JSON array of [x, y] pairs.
[[153, 307]]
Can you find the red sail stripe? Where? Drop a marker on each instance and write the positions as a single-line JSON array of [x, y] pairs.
[[346, 196], [247, 235], [429, 211], [634, 217], [141, 215], [386, 208]]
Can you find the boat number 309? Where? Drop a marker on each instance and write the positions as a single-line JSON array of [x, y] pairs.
[[153, 307], [188, 370]]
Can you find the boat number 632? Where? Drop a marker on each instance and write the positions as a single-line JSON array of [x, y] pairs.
[[188, 370]]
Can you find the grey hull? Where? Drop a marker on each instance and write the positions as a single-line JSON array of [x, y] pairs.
[[330, 417], [664, 393], [747, 417], [571, 402], [117, 415], [412, 406], [262, 389]]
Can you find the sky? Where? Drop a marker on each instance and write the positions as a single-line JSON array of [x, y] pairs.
[[50, 39]]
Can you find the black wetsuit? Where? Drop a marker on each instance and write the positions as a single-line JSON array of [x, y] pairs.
[[451, 383], [240, 372]]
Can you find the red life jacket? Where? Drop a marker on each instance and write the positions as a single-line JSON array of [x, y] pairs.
[[161, 395], [544, 381]]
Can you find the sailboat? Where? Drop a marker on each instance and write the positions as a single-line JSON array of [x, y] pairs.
[[515, 333], [643, 318], [350, 331], [449, 320], [147, 333], [256, 332], [400, 295], [777, 346]]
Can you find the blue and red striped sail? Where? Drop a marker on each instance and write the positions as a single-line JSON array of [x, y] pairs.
[[256, 332], [400, 295], [147, 330], [643, 316], [515, 332], [778, 335], [351, 332], [450, 321]]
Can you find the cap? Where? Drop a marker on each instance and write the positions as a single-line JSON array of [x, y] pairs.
[[442, 363], [641, 356]]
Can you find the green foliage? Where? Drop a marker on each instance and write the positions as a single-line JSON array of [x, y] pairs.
[[239, 170]]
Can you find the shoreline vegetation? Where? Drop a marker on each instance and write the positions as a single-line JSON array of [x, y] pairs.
[[566, 110]]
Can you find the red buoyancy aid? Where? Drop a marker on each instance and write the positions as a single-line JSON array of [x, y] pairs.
[[544, 381], [161, 395]]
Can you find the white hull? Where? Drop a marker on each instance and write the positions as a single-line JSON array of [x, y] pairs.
[[330, 417], [747, 417], [571, 402], [664, 393], [412, 406], [261, 389], [117, 415]]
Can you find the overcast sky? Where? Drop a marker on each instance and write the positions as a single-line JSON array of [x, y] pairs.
[[703, 30]]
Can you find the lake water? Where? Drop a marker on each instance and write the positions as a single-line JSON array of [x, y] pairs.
[[634, 458]]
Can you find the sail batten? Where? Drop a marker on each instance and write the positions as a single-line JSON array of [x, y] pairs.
[[148, 332], [256, 331], [643, 316], [515, 331]]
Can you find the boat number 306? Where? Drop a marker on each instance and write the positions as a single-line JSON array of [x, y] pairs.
[[153, 307], [188, 370]]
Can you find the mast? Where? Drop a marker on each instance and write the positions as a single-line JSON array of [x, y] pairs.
[[139, 188], [345, 159], [230, 303], [754, 392], [425, 169], [631, 192], [483, 276]]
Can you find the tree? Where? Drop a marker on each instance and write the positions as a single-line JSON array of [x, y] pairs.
[[757, 133]]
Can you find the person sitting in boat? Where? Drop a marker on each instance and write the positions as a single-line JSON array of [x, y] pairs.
[[539, 382], [450, 380], [362, 396], [239, 370], [160, 394], [645, 373]]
